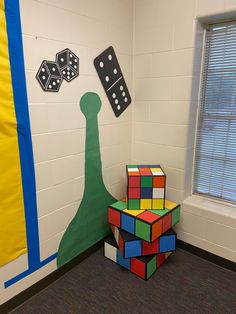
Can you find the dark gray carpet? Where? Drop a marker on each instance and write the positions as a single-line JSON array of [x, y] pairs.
[[184, 284]]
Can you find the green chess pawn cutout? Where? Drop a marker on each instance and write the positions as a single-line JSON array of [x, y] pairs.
[[90, 222]]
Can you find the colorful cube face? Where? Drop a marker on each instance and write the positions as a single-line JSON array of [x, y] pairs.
[[132, 246], [146, 187], [144, 266], [148, 225]]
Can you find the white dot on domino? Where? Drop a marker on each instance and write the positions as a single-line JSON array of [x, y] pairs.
[[43, 70], [110, 57], [123, 93], [53, 69], [58, 81], [113, 95], [118, 107], [101, 64], [115, 71], [121, 87], [62, 59], [68, 76], [50, 86], [43, 77], [116, 101], [54, 83], [107, 78], [125, 99]]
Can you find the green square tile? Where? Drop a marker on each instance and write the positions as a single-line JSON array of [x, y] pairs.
[[133, 204], [146, 182], [159, 212], [142, 230], [175, 215], [119, 205], [132, 166], [151, 267]]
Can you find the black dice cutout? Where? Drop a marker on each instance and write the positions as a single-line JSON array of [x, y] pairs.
[[112, 80], [51, 73], [68, 63]]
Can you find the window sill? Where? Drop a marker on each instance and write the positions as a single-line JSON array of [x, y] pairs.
[[211, 210]]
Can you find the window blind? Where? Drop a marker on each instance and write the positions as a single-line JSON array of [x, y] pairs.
[[215, 153]]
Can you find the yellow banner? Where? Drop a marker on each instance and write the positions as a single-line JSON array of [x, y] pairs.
[[12, 216]]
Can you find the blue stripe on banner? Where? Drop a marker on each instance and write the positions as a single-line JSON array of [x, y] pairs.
[[15, 45], [29, 271]]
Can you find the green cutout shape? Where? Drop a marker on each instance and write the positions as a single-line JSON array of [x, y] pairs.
[[90, 222]]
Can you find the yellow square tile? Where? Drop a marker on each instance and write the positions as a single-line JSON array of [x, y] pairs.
[[156, 169], [145, 203], [169, 204], [133, 212], [158, 203]]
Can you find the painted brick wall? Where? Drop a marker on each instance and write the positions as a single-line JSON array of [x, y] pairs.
[[58, 125], [167, 62]]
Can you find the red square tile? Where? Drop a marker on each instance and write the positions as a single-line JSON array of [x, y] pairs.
[[160, 259], [121, 245], [166, 222], [138, 267], [150, 247], [148, 216], [133, 193], [113, 217], [134, 182]]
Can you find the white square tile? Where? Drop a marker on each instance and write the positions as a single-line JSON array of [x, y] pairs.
[[158, 192], [110, 252]]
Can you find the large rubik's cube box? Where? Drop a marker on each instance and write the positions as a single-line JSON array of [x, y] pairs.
[[132, 246], [145, 187], [148, 225], [143, 266]]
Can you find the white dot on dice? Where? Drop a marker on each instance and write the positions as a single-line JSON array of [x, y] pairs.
[[58, 81], [50, 86], [118, 107], [54, 83], [75, 66], [101, 64], [73, 73], [75, 60], [64, 72], [43, 70], [116, 101], [62, 59], [123, 93], [70, 62], [115, 71], [43, 77], [121, 87], [68, 68], [113, 95], [110, 57], [71, 55], [107, 78], [68, 77], [125, 99], [53, 69]]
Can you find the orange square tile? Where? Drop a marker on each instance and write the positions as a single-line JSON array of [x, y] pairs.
[[156, 229], [159, 182]]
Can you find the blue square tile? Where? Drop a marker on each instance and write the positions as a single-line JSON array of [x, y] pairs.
[[167, 243], [125, 262], [127, 223], [146, 193], [133, 248]]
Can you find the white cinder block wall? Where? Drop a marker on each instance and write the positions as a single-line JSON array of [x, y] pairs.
[[58, 125], [167, 62]]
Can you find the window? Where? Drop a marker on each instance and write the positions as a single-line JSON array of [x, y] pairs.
[[215, 154]]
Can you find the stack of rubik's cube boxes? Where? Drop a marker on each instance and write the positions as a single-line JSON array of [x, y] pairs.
[[142, 223]]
